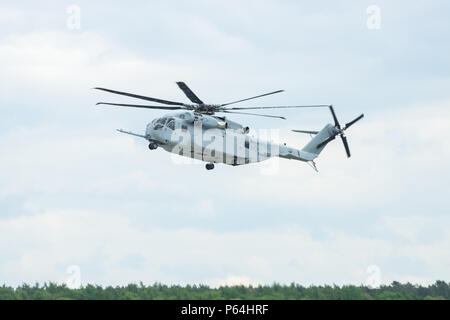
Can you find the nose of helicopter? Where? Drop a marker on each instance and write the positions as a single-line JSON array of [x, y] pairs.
[[148, 131]]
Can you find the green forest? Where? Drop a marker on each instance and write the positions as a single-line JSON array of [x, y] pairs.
[[440, 290]]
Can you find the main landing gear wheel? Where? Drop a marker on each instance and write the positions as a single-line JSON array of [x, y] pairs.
[[209, 166], [152, 146]]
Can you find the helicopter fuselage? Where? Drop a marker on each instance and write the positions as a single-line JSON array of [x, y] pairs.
[[214, 139]]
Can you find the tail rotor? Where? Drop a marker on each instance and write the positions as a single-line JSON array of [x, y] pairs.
[[339, 131]]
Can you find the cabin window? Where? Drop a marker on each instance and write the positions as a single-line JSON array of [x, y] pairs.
[[161, 120], [247, 143], [171, 124]]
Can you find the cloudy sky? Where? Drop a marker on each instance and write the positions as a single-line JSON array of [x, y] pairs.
[[74, 192]]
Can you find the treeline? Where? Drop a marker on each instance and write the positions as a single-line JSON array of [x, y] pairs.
[[51, 291]]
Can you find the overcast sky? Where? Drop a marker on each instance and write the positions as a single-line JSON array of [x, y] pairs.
[[74, 192]]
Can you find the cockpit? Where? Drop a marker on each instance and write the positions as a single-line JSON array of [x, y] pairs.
[[159, 123]]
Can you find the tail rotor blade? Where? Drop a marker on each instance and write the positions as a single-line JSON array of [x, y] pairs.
[[336, 122], [344, 141], [353, 121]]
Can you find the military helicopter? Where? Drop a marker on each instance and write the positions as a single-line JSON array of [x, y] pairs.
[[196, 131]]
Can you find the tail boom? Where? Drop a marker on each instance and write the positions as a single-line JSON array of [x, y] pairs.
[[318, 143]]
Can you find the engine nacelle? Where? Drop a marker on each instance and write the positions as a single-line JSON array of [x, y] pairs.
[[222, 124], [209, 122]]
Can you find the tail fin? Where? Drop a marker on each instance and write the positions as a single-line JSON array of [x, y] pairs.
[[316, 145]]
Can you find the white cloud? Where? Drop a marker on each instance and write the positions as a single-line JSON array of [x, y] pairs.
[[43, 245], [63, 61], [11, 15]]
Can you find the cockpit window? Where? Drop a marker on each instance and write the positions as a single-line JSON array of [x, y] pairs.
[[161, 120], [158, 126], [171, 124]]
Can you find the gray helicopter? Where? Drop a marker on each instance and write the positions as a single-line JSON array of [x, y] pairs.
[[196, 131]]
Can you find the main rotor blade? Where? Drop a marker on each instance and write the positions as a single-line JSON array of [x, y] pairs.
[[140, 106], [344, 141], [336, 122], [253, 114], [261, 95], [353, 121], [188, 92], [278, 107], [142, 97]]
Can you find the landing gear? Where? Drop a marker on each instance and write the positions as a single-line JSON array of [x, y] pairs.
[[152, 146], [209, 166]]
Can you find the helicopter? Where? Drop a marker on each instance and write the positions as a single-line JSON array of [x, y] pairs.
[[196, 130]]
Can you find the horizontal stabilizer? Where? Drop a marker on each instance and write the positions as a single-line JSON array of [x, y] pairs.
[[306, 131]]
